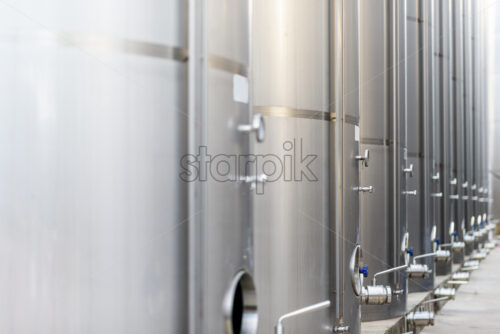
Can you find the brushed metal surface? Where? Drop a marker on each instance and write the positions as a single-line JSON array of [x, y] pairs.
[[290, 69], [346, 148], [93, 233], [458, 96], [443, 72], [418, 224], [383, 215], [377, 219], [226, 246]]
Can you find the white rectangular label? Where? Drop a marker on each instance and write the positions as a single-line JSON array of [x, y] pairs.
[[356, 133], [240, 88]]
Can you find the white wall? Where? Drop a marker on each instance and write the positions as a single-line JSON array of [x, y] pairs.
[[492, 16]]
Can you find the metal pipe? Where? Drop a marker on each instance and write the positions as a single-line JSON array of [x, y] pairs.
[[457, 282], [421, 256], [388, 271], [434, 300], [304, 310]]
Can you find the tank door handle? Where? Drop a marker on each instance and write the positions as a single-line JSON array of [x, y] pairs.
[[410, 192], [453, 182], [258, 126], [437, 195], [436, 177], [368, 189], [409, 170], [364, 158]]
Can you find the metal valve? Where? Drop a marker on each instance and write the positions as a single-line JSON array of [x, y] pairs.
[[465, 184], [254, 179], [376, 295], [445, 292], [368, 189], [341, 329], [436, 177], [416, 270], [410, 192], [436, 194], [420, 319], [257, 126], [470, 263], [364, 270], [409, 170], [461, 276], [478, 256], [454, 196], [453, 181], [469, 239], [443, 255], [410, 251], [458, 246], [364, 158]]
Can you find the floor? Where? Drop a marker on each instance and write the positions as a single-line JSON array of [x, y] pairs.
[[476, 308]]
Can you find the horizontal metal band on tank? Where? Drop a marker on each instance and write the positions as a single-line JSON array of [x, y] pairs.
[[275, 111], [415, 154], [103, 43], [375, 141], [227, 65], [90, 42], [303, 113], [354, 120]]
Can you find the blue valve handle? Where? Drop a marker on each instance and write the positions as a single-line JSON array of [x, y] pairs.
[[364, 270], [437, 241], [454, 234], [410, 251]]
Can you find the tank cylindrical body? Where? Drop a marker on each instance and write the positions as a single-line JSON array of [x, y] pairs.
[[290, 72], [456, 131], [383, 132], [418, 222], [468, 119], [459, 191], [94, 231], [223, 292], [444, 107]]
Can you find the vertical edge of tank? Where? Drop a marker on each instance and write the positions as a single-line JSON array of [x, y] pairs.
[[346, 189]]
